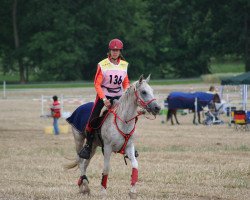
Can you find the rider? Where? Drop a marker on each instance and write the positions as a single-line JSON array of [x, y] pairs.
[[111, 79]]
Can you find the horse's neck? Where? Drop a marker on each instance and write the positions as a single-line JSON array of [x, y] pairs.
[[127, 107]]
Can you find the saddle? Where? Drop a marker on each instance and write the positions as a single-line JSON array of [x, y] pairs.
[[97, 122]]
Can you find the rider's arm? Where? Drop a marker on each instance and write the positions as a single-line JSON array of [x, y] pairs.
[[125, 83], [98, 83]]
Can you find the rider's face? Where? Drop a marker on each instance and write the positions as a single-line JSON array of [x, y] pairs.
[[115, 53]]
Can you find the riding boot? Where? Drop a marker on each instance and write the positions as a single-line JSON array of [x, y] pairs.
[[86, 150]]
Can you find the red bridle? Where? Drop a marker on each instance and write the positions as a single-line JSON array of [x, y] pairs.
[[140, 101]]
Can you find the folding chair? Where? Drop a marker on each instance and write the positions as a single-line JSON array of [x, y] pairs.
[[240, 120]]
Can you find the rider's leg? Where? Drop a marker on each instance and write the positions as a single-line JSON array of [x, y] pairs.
[[86, 150]]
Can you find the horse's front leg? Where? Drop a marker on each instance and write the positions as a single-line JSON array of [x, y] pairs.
[[107, 155], [130, 151]]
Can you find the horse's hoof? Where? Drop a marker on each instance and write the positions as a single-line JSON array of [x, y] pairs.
[[103, 192], [84, 188], [132, 195]]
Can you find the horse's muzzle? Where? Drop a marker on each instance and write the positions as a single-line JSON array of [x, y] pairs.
[[154, 108]]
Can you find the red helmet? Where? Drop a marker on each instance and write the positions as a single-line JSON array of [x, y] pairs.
[[115, 44]]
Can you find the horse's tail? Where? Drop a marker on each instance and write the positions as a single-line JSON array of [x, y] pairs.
[[71, 165]]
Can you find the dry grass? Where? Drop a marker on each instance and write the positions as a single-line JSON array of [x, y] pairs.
[[176, 162]]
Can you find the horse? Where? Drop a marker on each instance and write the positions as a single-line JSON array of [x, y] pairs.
[[117, 134], [182, 100]]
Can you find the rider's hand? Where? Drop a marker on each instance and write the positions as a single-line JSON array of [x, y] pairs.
[[106, 103]]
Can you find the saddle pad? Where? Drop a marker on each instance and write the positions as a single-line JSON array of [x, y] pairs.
[[80, 117]]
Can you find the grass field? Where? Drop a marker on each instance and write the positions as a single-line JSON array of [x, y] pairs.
[[227, 67], [184, 162]]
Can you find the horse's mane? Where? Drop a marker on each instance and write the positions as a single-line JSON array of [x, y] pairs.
[[124, 99]]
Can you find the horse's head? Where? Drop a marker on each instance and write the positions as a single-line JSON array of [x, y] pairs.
[[145, 96], [216, 98]]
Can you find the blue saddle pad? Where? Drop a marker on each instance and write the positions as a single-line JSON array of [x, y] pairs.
[[182, 100], [80, 117]]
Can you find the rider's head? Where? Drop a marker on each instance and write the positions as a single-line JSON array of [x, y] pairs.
[[115, 47], [212, 88], [55, 98], [115, 44]]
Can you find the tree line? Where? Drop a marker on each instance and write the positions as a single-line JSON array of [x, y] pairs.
[[64, 39]]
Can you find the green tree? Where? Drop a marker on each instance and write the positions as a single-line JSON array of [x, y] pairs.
[[230, 25], [73, 36], [183, 32]]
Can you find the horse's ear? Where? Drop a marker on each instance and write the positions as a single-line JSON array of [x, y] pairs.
[[148, 79], [140, 79]]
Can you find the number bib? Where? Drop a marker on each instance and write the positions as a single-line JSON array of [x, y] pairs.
[[113, 76]]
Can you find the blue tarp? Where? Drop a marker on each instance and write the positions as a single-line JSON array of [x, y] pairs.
[[182, 100], [80, 117]]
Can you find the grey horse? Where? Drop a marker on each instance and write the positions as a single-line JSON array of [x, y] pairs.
[[117, 132]]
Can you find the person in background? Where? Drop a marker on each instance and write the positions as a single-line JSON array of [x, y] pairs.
[[212, 90], [56, 114], [111, 79]]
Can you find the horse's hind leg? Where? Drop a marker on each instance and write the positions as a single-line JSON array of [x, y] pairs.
[[83, 164], [83, 182], [79, 140]]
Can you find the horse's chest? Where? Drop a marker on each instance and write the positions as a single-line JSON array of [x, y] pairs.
[[114, 137], [116, 140]]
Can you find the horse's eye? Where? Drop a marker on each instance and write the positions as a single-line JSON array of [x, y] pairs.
[[144, 92]]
